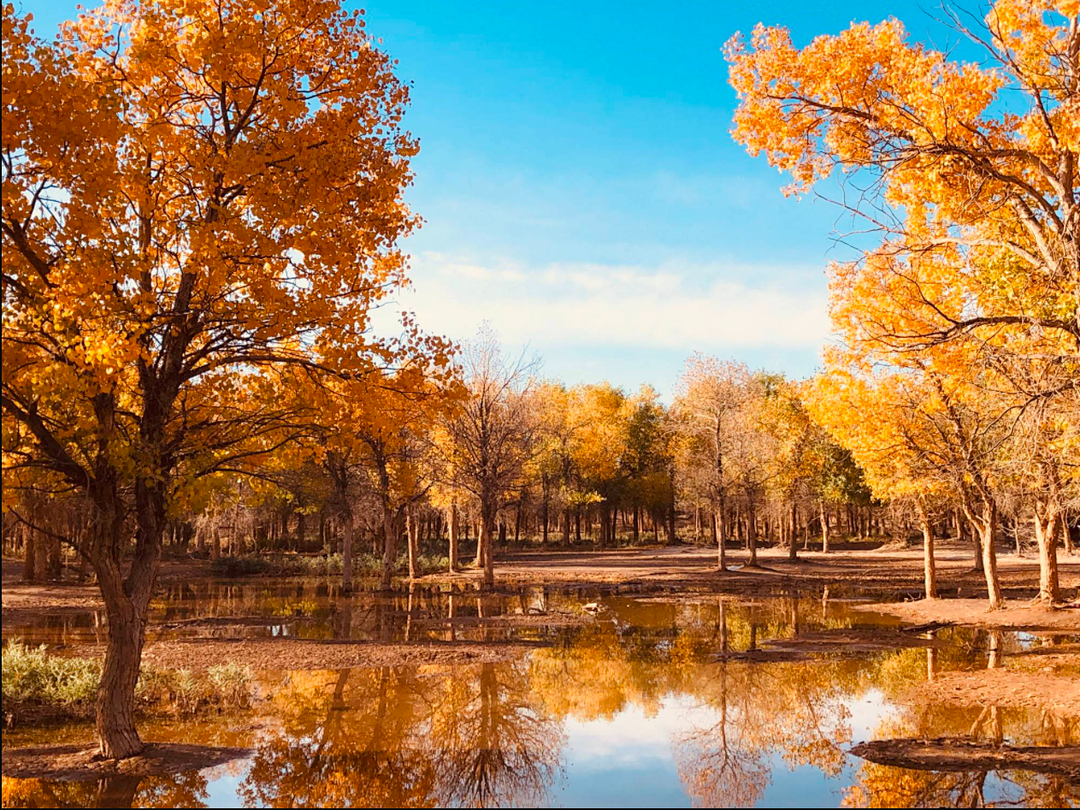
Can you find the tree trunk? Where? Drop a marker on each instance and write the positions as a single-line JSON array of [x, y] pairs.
[[1046, 525], [127, 601], [30, 554], [487, 530], [389, 548], [116, 732], [824, 528], [453, 537], [412, 534], [793, 551], [721, 554], [929, 570], [751, 534], [54, 564], [983, 521], [672, 537], [346, 552]]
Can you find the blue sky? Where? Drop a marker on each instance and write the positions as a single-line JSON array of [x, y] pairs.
[[581, 192]]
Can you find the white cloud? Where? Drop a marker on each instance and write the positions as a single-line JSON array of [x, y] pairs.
[[713, 308]]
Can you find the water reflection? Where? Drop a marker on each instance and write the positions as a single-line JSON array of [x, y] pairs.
[[312, 609], [179, 790], [398, 736], [707, 702]]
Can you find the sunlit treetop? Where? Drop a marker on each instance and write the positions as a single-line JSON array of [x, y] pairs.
[[193, 190], [968, 171]]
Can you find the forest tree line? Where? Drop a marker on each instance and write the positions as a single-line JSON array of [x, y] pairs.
[[738, 459]]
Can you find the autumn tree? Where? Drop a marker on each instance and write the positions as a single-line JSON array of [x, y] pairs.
[[975, 284], [797, 440], [709, 398], [375, 430], [493, 434], [924, 438], [975, 200], [191, 191], [601, 412], [648, 455], [557, 438]]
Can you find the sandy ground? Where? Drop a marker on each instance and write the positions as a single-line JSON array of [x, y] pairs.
[[876, 572], [70, 762], [1008, 688], [1015, 615], [871, 571], [299, 654], [964, 755]]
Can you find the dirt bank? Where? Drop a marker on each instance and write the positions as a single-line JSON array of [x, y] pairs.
[[296, 654], [875, 571], [1015, 615], [1008, 688], [966, 755], [75, 763]]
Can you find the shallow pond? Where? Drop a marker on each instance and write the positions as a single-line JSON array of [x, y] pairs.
[[628, 701]]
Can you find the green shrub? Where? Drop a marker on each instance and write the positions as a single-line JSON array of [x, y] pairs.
[[154, 685], [68, 686], [431, 564], [302, 565], [241, 566], [31, 675], [231, 684], [188, 692]]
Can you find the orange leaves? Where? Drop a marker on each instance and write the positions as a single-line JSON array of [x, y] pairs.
[[845, 98], [197, 192], [967, 309]]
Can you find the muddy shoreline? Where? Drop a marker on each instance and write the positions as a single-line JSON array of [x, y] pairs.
[[657, 569], [659, 574]]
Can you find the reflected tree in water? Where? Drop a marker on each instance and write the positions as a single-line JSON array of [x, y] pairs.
[[496, 745], [403, 737], [175, 790]]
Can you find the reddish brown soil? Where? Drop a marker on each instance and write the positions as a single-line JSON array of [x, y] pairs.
[[964, 755], [873, 571], [75, 763], [295, 654], [1015, 615], [1008, 688]]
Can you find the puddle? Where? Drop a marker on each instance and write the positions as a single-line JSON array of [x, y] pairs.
[[641, 705]]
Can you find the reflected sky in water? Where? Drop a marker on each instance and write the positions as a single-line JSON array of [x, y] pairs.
[[670, 703]]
